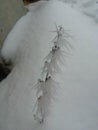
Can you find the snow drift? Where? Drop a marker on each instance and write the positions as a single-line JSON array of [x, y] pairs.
[[26, 45]]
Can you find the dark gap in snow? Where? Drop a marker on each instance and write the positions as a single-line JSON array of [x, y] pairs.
[[26, 2], [5, 69]]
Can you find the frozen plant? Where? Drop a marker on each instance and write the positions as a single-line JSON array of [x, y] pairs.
[[38, 114], [46, 86]]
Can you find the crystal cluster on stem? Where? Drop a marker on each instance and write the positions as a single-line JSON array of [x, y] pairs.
[[46, 86]]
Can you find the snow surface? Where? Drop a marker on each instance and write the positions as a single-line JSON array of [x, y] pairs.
[[88, 7], [76, 106]]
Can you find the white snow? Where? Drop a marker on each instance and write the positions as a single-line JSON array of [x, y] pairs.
[[88, 7], [76, 107]]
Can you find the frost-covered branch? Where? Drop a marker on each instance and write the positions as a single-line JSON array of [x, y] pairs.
[[46, 86]]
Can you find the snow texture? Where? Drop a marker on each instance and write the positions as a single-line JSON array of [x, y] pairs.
[[89, 8], [76, 106]]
